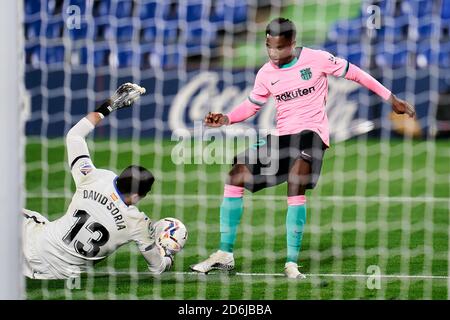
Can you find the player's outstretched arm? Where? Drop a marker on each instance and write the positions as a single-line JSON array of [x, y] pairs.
[[401, 106], [360, 76], [239, 113], [77, 148]]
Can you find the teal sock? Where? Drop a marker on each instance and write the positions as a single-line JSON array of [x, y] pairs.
[[295, 221], [230, 217]]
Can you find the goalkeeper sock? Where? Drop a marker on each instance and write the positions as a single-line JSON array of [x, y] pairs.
[[295, 221], [230, 216], [105, 108]]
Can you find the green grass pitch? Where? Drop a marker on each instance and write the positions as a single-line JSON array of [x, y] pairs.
[[348, 228]]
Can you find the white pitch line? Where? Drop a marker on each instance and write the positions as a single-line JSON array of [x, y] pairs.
[[325, 275], [174, 197]]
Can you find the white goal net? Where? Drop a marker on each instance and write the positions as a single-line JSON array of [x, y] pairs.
[[378, 221]]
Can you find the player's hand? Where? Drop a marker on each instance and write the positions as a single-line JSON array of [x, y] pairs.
[[126, 95], [400, 106], [216, 119]]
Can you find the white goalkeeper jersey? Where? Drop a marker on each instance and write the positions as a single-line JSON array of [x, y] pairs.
[[96, 223]]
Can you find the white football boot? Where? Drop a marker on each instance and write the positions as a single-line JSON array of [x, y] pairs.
[[291, 271], [219, 260]]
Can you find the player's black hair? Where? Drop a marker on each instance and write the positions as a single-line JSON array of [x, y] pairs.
[[282, 27], [135, 179]]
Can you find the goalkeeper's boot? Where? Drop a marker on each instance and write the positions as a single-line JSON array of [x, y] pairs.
[[291, 271], [219, 260]]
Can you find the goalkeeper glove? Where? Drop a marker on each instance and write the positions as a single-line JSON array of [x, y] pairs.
[[124, 97]]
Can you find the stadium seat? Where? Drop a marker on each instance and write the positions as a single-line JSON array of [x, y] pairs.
[[347, 30], [101, 8], [78, 33], [170, 10], [217, 13], [102, 32], [54, 7], [426, 54], [445, 31], [32, 30], [445, 10], [444, 55], [148, 34], [395, 29], [32, 7], [353, 54], [81, 4], [418, 8], [101, 57], [235, 12], [79, 56], [393, 56], [125, 58], [198, 37], [33, 55], [54, 30], [124, 9], [54, 55], [168, 32], [124, 33], [147, 10], [194, 12]]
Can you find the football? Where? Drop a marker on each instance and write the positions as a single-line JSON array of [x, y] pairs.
[[171, 234]]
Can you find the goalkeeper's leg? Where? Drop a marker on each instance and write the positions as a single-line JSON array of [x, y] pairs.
[[230, 217]]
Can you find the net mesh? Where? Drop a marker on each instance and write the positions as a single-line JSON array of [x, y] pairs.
[[377, 222]]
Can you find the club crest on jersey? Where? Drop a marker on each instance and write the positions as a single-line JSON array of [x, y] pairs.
[[306, 74], [85, 167]]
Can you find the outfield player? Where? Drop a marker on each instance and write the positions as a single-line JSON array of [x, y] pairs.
[[101, 216], [297, 79]]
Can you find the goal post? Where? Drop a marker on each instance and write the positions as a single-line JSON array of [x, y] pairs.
[[11, 186]]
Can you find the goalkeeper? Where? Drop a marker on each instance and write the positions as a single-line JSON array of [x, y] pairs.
[[297, 78], [101, 216]]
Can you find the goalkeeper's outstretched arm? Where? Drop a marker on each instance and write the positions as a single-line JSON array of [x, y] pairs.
[[77, 148]]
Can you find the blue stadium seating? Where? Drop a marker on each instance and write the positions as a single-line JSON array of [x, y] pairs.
[[54, 55], [102, 31], [32, 7], [101, 8], [194, 12], [32, 55], [78, 33], [125, 58], [445, 9], [124, 9], [444, 55], [148, 10], [54, 30], [159, 22], [32, 30], [418, 8], [392, 56], [101, 57], [148, 34], [124, 33], [235, 13], [346, 30], [80, 56], [81, 4], [197, 37]]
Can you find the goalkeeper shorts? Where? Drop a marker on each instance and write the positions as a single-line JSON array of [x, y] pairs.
[[272, 157]]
